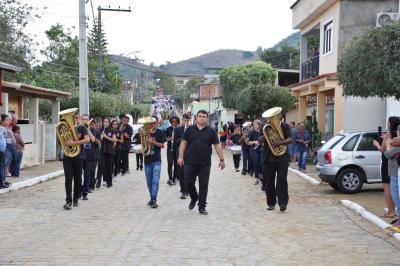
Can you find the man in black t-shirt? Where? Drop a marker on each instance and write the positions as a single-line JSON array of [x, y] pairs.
[[73, 165], [276, 167], [195, 153], [126, 146], [152, 162]]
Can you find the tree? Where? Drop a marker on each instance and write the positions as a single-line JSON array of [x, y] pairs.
[[234, 79], [188, 88], [15, 43], [255, 99], [287, 57], [370, 65], [167, 82]]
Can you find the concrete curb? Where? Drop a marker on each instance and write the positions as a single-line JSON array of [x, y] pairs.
[[305, 177], [371, 217], [31, 181]]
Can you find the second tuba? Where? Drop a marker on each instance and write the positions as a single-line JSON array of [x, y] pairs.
[[273, 131], [145, 131], [66, 131]]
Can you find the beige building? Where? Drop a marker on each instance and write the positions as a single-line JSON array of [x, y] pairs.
[[329, 25]]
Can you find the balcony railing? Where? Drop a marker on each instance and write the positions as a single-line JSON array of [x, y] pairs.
[[310, 69]]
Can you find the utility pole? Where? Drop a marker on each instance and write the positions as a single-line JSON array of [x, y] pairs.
[[83, 63], [100, 65]]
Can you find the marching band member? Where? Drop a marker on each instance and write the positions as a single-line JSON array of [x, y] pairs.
[[255, 149], [139, 156], [152, 162], [236, 139], [178, 135], [117, 147], [127, 133], [276, 166], [107, 150], [96, 152], [171, 153], [73, 165]]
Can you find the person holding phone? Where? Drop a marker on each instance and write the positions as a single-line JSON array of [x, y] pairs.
[[392, 124]]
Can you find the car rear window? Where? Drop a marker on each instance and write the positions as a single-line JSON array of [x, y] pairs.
[[332, 142], [351, 143]]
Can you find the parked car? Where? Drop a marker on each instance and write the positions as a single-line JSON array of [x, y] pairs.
[[349, 160]]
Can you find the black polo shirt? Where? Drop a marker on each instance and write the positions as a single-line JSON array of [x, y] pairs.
[[126, 146], [81, 131], [106, 145], [199, 142]]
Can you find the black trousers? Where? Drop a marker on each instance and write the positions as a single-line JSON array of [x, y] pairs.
[[279, 172], [203, 172], [172, 163], [180, 171], [100, 169], [107, 172], [139, 160], [93, 174], [117, 162], [125, 161], [236, 161], [73, 173]]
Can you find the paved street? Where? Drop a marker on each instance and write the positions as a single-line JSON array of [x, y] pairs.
[[116, 227]]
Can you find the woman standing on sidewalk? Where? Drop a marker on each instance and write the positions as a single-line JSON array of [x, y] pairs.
[[393, 122], [302, 138], [20, 144], [393, 168], [10, 148]]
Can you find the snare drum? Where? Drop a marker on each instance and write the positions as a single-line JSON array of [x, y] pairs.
[[236, 149], [137, 149]]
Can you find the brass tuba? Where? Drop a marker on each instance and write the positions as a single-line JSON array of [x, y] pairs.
[[273, 131], [66, 131], [145, 131]]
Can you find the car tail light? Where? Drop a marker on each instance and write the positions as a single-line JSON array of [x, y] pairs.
[[328, 157]]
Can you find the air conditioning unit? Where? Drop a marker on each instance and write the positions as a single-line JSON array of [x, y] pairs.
[[384, 18]]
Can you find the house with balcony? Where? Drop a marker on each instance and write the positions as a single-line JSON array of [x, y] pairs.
[[328, 26]]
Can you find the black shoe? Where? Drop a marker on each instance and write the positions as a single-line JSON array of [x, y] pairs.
[[244, 173], [184, 196], [270, 208], [394, 221], [122, 174], [68, 206], [192, 204], [152, 204], [85, 198], [137, 168], [109, 185], [97, 185], [282, 208], [76, 204], [169, 182], [141, 168], [7, 183], [173, 182], [203, 211]]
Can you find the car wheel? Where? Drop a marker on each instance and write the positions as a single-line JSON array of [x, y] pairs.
[[334, 185], [350, 180]]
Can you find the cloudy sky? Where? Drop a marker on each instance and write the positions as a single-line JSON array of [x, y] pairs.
[[174, 30]]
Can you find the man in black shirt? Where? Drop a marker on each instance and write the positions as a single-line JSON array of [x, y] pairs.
[[171, 154], [276, 167], [198, 140], [126, 146], [152, 162], [73, 165], [178, 135]]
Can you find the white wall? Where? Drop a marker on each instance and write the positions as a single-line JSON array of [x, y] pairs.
[[392, 108], [364, 114], [50, 146], [228, 116]]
